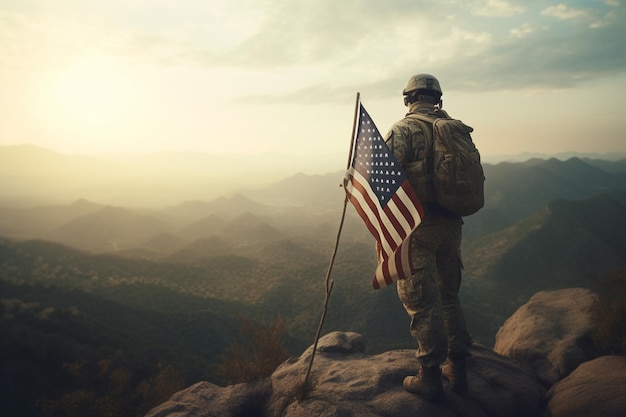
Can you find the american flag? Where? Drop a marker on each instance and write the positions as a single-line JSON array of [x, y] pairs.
[[380, 191]]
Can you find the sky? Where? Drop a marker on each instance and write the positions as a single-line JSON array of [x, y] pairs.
[[249, 76]]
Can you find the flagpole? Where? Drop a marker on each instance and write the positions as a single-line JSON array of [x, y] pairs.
[[356, 114], [328, 285]]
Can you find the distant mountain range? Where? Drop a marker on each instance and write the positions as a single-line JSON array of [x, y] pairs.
[[567, 243], [168, 283], [528, 230], [513, 191], [32, 175], [303, 206], [562, 244], [525, 156]]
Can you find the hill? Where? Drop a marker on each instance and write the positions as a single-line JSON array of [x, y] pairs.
[[42, 220], [71, 322], [302, 190], [202, 249], [179, 276], [515, 190], [565, 244], [221, 207], [310, 206], [110, 228]]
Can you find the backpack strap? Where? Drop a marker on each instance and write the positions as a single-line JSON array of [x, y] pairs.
[[426, 122], [427, 127]]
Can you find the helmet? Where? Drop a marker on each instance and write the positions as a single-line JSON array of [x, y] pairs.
[[422, 82]]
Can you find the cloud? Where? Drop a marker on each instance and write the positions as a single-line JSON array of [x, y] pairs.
[[546, 60], [523, 31], [564, 12], [496, 8], [330, 49], [534, 55], [314, 31]]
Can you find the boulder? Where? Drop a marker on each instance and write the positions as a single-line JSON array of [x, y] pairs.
[[595, 388], [347, 382], [550, 334]]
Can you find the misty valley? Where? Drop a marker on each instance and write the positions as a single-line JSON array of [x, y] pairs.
[[120, 306]]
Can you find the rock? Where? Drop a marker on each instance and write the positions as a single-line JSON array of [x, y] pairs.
[[550, 334], [347, 382], [209, 400], [341, 342], [595, 388]]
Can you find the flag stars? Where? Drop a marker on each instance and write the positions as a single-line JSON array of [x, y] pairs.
[[375, 162]]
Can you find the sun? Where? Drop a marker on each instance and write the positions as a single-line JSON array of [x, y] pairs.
[[91, 91]]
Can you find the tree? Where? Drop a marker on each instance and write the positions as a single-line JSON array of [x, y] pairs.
[[255, 353]]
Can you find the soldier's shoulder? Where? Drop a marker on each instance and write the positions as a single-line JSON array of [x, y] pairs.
[[408, 125], [405, 123]]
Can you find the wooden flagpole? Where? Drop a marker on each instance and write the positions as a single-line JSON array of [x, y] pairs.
[[328, 285]]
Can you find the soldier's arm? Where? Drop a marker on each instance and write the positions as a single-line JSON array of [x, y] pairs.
[[405, 142], [396, 141]]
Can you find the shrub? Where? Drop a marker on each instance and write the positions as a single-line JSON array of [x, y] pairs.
[[255, 353], [609, 312]]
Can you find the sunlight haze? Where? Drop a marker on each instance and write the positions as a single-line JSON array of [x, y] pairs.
[[248, 76]]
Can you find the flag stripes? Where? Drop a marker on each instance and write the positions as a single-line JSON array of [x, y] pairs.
[[385, 201]]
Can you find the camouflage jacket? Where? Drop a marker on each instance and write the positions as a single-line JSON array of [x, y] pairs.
[[410, 143]]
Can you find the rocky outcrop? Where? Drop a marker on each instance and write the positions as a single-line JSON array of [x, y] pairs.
[[550, 333], [595, 388], [348, 382], [543, 364]]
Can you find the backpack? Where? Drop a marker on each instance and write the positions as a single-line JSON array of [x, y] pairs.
[[457, 178]]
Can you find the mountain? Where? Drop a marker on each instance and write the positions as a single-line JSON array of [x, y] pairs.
[[248, 229], [236, 205], [154, 179], [303, 190], [515, 190], [608, 165], [565, 244], [202, 249], [42, 220], [190, 298], [568, 242], [561, 244], [237, 169], [223, 207], [510, 247], [187, 211], [128, 340], [167, 284], [165, 242], [32, 172], [284, 251], [111, 228], [206, 226], [584, 174], [28, 172], [525, 156]]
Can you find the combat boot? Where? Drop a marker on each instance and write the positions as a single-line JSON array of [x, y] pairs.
[[455, 371], [427, 383]]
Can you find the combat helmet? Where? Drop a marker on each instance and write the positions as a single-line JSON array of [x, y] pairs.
[[422, 82]]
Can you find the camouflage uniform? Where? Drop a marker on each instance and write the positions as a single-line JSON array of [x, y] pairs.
[[430, 296]]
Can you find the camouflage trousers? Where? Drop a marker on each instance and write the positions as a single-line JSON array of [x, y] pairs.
[[430, 296]]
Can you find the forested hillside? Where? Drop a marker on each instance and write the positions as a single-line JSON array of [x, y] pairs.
[[122, 305]]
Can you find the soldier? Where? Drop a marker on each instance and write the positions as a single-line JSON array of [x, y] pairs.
[[430, 295]]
